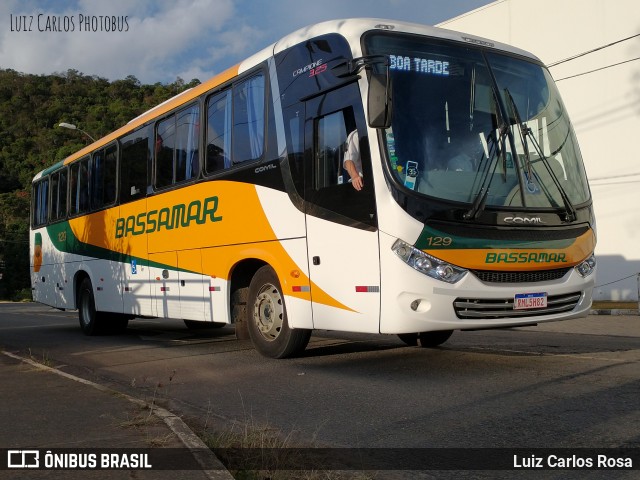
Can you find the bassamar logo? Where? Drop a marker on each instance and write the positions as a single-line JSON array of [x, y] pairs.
[[526, 257], [180, 215]]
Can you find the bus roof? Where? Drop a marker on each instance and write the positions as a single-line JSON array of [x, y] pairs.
[[352, 29]]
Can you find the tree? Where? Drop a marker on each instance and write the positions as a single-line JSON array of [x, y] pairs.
[[31, 106]]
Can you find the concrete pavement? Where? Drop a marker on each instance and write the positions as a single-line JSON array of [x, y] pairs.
[[45, 409]]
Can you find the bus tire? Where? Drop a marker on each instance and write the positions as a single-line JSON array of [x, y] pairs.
[[426, 339], [239, 313], [267, 318], [92, 322]]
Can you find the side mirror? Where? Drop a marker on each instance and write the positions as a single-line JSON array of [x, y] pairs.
[[379, 100]]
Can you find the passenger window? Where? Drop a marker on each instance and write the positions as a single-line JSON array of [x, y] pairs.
[[176, 149], [104, 170], [59, 195], [219, 132], [40, 203], [248, 119], [79, 187], [165, 141], [188, 130], [133, 166]]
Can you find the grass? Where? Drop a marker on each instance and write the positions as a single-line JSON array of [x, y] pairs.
[[44, 360], [250, 442]]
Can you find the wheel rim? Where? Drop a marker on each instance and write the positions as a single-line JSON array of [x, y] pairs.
[[268, 312]]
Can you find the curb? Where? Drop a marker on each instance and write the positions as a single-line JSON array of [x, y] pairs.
[[212, 466]]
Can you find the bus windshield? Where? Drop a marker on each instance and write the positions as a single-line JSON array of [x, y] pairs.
[[469, 123]]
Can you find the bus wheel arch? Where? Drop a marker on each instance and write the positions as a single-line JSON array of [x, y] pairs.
[[239, 280]]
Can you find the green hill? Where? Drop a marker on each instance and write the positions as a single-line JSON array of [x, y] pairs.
[[31, 107]]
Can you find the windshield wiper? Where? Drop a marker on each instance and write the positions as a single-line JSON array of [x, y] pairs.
[[481, 197], [523, 136], [570, 210], [525, 131]]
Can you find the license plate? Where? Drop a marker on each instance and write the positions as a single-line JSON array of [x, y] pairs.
[[525, 301]]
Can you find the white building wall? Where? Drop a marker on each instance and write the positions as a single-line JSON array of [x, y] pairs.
[[604, 106]]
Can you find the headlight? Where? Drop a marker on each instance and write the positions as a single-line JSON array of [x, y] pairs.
[[587, 267], [427, 264]]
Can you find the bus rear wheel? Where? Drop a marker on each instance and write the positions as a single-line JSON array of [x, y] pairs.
[[267, 318], [91, 321], [426, 339]]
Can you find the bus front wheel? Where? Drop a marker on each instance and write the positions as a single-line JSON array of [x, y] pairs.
[[267, 318], [426, 339]]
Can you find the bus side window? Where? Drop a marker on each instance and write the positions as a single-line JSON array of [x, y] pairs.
[[165, 141], [248, 119], [176, 149], [331, 135], [218, 132], [188, 134], [79, 187], [62, 194], [55, 187], [103, 177], [135, 154], [59, 195], [40, 203]]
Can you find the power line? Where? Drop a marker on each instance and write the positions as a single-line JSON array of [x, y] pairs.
[[612, 177], [593, 50], [616, 281], [597, 69]]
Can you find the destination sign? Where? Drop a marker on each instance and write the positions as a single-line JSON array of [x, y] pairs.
[[419, 65]]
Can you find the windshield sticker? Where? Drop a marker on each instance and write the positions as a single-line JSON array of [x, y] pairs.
[[412, 175], [419, 65]]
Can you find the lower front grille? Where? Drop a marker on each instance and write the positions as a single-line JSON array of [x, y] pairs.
[[491, 276], [482, 308]]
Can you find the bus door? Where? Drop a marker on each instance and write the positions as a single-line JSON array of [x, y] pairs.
[[342, 235]]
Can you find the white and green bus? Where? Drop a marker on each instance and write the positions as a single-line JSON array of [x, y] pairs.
[[460, 201]]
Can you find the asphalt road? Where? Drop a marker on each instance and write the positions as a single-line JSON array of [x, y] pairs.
[[573, 384]]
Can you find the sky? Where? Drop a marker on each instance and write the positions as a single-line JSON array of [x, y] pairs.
[[161, 40]]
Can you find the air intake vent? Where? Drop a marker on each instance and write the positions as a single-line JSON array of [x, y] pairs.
[[475, 308], [490, 276]]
